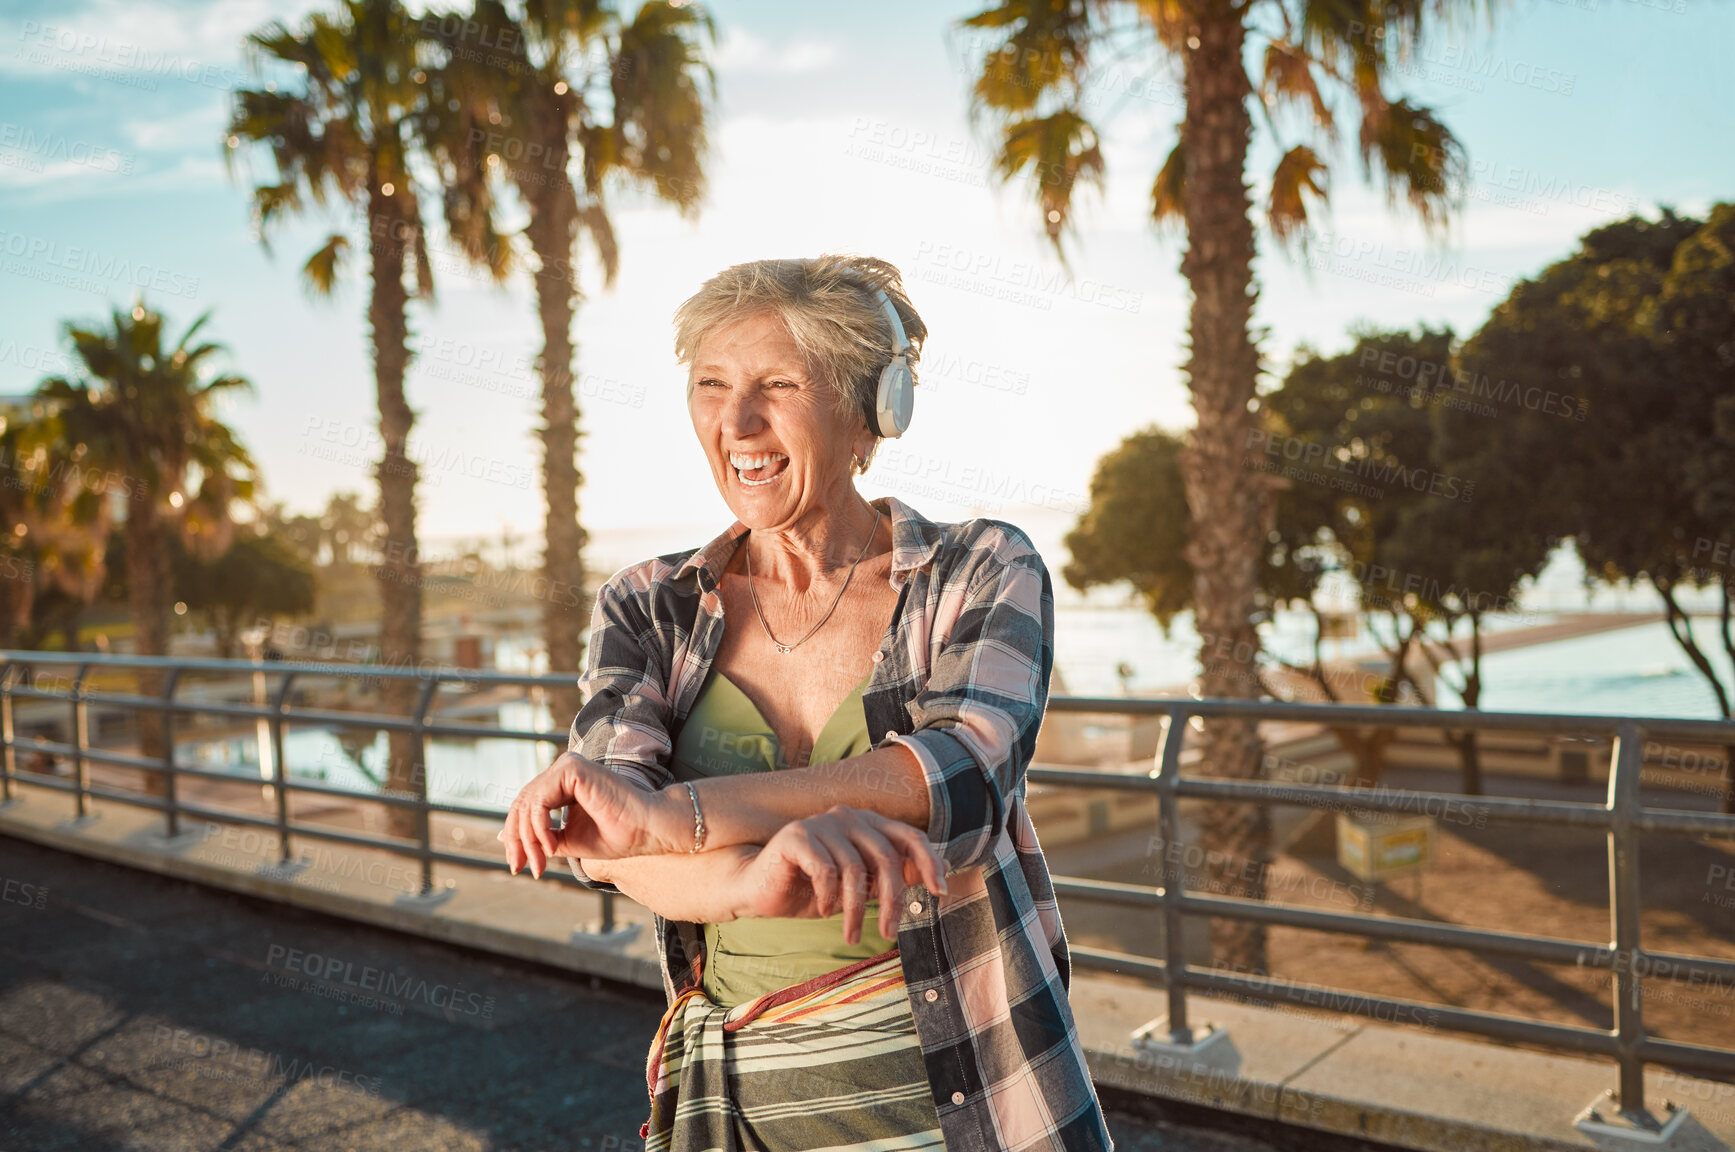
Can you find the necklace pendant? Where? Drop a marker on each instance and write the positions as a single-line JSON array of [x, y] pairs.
[[785, 649]]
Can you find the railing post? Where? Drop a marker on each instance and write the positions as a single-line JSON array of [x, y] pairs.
[[607, 925], [1624, 907], [421, 770], [1174, 878], [169, 794], [80, 734], [8, 754], [280, 768]]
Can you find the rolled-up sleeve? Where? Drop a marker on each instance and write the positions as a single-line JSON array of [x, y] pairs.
[[625, 719], [978, 716]]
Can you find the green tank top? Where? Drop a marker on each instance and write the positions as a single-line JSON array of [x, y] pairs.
[[726, 734]]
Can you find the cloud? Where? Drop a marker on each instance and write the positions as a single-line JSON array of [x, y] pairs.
[[741, 51], [141, 35]]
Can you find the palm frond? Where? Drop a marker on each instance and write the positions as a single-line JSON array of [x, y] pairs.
[[322, 269], [1416, 157], [1299, 175], [1288, 79], [1168, 191], [1060, 150], [662, 89], [594, 219], [1045, 50]]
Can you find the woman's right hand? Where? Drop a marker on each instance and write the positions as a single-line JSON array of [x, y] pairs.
[[839, 859]]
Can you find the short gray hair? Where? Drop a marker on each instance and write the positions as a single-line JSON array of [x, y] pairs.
[[828, 304]]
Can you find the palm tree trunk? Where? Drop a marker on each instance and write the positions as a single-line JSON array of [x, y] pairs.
[[149, 584], [1228, 510], [553, 234], [399, 574]]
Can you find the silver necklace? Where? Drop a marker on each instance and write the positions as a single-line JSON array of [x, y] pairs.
[[786, 649]]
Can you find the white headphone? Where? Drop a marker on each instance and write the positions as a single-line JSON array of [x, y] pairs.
[[893, 402]]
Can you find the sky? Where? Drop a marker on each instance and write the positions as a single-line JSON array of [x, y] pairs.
[[838, 128]]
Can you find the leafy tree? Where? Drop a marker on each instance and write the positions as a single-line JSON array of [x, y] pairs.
[[1628, 328], [54, 517], [142, 419], [1131, 530], [258, 576], [1364, 494], [536, 88], [1035, 82]]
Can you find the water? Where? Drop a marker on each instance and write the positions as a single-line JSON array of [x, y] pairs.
[[483, 773]]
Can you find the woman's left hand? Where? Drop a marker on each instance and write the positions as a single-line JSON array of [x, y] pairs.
[[836, 861]]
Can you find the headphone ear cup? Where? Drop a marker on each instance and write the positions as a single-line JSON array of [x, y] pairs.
[[896, 398]]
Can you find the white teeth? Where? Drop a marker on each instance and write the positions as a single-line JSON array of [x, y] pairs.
[[745, 463]]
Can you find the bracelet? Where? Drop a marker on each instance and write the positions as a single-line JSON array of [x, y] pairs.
[[698, 821]]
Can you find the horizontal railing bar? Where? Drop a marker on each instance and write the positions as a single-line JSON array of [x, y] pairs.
[[327, 717], [1392, 716], [1667, 966], [227, 816], [1075, 778], [281, 667], [466, 810], [1386, 1008], [383, 796], [1680, 1054], [1125, 963], [1583, 814], [1508, 809], [464, 732], [203, 773], [1682, 822], [1548, 949], [1137, 895], [43, 780], [101, 755]]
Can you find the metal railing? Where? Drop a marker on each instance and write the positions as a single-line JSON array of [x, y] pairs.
[[1622, 817], [275, 712]]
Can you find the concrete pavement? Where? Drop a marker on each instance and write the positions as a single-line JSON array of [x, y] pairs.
[[147, 1013]]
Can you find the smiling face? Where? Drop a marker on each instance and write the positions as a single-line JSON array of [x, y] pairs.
[[754, 403]]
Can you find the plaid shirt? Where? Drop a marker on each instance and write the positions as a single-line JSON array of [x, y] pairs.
[[961, 679]]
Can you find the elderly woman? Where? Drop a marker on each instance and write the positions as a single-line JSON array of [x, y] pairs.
[[803, 748]]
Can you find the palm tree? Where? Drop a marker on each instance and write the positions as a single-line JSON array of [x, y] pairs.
[[1035, 81], [345, 130], [564, 81], [142, 422]]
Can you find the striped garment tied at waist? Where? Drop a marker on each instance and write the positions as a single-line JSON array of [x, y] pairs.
[[831, 1064]]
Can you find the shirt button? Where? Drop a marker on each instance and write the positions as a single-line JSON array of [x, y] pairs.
[[915, 907], [957, 1097], [930, 995], [878, 656]]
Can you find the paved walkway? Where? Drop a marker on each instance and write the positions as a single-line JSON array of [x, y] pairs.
[[147, 1013]]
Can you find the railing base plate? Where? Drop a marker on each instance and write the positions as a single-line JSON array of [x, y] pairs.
[[1610, 1128], [1209, 1047], [591, 935], [426, 901], [283, 870], [188, 837]]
